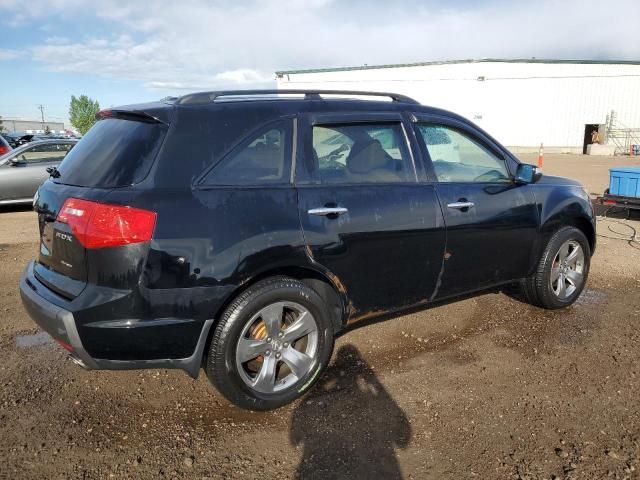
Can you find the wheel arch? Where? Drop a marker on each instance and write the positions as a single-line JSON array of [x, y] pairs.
[[586, 227], [581, 222], [325, 283]]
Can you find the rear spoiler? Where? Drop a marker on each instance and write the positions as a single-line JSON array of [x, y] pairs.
[[134, 115]]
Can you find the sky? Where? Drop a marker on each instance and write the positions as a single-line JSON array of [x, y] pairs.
[[121, 52]]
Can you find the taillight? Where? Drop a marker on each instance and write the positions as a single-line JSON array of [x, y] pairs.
[[100, 225], [3, 149]]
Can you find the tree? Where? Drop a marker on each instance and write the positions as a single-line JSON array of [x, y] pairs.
[[82, 113], [47, 130], [1, 126]]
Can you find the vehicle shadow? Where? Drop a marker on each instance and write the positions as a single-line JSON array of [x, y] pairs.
[[349, 426]]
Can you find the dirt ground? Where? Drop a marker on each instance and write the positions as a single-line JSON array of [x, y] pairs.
[[484, 388]]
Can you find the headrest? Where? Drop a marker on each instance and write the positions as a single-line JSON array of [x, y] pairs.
[[365, 157]]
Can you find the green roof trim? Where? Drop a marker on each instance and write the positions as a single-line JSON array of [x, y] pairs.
[[452, 62]]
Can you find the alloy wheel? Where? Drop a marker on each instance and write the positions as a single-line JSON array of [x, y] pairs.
[[277, 347], [567, 270]]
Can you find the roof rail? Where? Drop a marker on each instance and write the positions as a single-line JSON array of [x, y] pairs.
[[207, 97]]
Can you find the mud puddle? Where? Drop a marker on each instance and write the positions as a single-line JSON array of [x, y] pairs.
[[592, 296], [33, 340]]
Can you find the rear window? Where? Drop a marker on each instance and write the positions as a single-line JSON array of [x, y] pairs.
[[114, 153]]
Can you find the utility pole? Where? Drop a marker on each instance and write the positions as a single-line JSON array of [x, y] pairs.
[[42, 114]]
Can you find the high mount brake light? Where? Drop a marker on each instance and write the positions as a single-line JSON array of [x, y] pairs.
[[104, 114], [101, 225]]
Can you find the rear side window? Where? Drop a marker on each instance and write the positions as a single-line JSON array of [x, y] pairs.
[[361, 153], [456, 157], [114, 153], [263, 159]]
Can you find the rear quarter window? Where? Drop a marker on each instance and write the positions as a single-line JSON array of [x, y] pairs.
[[114, 153], [263, 159]]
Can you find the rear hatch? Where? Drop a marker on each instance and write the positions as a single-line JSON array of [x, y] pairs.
[[73, 217]]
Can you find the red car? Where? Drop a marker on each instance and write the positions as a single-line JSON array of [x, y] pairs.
[[4, 146]]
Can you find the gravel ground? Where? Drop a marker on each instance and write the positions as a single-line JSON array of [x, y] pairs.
[[488, 387]]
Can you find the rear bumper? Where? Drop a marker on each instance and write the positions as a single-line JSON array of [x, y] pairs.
[[56, 321], [61, 325]]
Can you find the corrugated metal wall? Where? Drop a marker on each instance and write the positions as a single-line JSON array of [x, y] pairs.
[[11, 125], [521, 104]]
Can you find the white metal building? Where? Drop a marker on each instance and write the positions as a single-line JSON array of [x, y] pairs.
[[520, 102], [12, 125]]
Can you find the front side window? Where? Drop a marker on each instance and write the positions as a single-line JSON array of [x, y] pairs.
[[458, 158], [263, 159], [361, 153], [54, 152]]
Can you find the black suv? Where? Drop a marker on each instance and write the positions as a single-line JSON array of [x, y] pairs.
[[241, 231]]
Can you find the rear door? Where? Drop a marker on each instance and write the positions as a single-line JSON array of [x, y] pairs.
[[365, 217], [491, 221]]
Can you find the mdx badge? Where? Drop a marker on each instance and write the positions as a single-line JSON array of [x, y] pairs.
[[64, 236]]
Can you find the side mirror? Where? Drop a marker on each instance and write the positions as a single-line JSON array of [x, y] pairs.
[[527, 174]]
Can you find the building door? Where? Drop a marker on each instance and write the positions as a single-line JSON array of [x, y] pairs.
[[589, 129]]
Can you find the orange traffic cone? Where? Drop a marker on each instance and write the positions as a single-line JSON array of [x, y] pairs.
[[540, 156]]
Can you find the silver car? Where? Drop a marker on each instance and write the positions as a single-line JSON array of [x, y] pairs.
[[23, 169]]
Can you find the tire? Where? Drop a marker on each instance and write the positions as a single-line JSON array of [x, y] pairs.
[[545, 287], [252, 325]]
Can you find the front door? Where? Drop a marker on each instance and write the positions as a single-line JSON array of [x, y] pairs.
[[365, 217], [491, 221]]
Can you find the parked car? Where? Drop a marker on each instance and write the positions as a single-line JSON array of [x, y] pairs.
[[207, 232], [17, 139], [23, 169], [5, 147]]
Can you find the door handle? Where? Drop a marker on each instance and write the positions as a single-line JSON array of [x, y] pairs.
[[324, 211], [461, 205]]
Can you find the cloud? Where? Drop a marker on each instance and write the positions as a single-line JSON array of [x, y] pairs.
[[6, 54], [200, 44], [22, 12], [56, 40]]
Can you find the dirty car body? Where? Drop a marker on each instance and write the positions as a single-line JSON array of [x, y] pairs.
[[239, 191]]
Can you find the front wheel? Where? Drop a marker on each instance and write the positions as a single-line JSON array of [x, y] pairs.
[[271, 344], [562, 271]]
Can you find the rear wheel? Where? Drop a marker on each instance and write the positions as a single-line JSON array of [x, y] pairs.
[[562, 271], [271, 344]]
